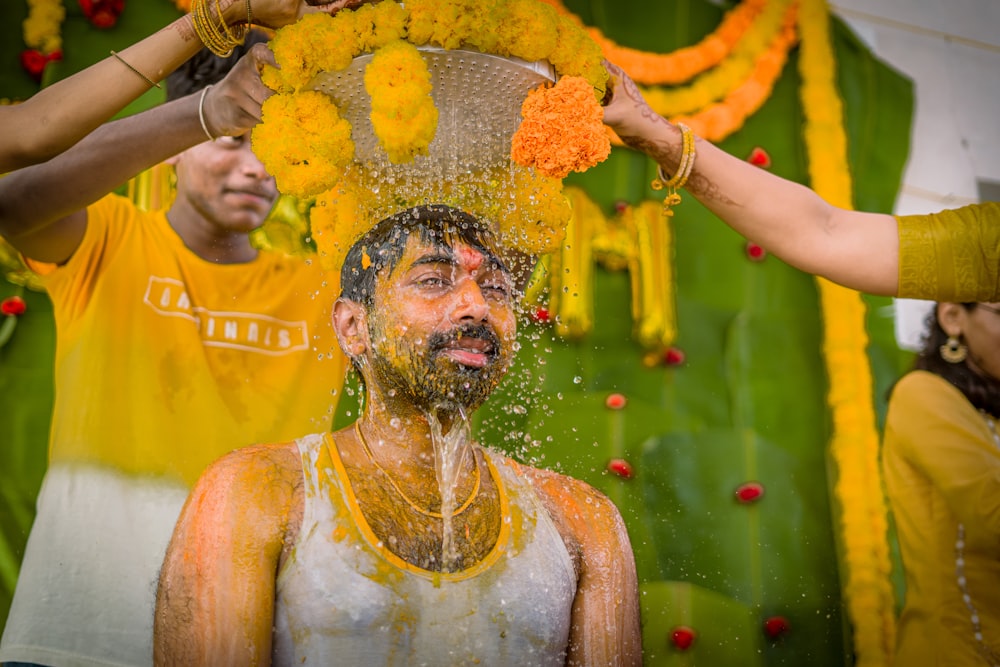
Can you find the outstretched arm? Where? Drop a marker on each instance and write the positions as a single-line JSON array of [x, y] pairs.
[[62, 114], [605, 627], [856, 249], [215, 601], [42, 208]]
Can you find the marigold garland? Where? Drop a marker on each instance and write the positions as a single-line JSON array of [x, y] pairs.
[[717, 121], [320, 151], [683, 64], [404, 117], [854, 443], [741, 83], [760, 39]]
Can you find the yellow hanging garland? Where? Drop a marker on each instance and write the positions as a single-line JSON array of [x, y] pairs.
[[683, 64], [717, 121], [854, 442], [742, 94], [719, 82]]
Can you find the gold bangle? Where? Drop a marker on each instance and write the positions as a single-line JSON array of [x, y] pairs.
[[127, 64], [241, 31], [680, 178], [216, 36], [201, 112]]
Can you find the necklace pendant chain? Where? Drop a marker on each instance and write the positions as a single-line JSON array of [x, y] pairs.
[[392, 482]]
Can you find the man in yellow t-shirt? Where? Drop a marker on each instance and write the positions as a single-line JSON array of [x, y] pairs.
[[177, 342]]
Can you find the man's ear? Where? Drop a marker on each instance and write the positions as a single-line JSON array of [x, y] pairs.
[[351, 324], [952, 316]]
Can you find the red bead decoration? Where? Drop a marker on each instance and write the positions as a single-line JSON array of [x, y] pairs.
[[621, 206], [615, 401], [674, 356], [540, 315], [759, 158], [13, 305], [683, 637], [34, 61], [750, 492], [621, 467], [102, 14], [776, 626], [754, 252]]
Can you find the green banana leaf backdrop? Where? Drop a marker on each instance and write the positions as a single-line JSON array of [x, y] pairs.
[[747, 404]]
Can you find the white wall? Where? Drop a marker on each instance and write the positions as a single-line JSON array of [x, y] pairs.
[[951, 51]]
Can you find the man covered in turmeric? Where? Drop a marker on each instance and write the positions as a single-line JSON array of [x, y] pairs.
[[399, 540]]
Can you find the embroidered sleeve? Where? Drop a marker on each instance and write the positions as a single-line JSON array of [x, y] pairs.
[[953, 255]]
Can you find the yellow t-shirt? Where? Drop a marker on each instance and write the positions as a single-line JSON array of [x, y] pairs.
[[952, 255], [165, 361], [942, 467]]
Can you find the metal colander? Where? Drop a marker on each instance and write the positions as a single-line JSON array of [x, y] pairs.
[[478, 97]]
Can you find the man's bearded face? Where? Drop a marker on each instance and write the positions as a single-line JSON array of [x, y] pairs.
[[443, 329]]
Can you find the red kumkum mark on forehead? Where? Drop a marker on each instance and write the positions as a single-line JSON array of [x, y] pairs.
[[469, 258]]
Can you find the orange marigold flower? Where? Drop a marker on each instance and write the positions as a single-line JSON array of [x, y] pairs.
[[562, 130]]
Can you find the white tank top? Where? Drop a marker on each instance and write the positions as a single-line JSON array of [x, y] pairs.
[[343, 599]]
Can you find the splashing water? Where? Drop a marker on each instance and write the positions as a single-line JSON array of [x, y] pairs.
[[450, 452]]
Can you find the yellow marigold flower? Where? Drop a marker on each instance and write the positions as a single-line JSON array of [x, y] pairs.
[[528, 30], [41, 27], [303, 142], [562, 130], [335, 223], [404, 117], [422, 18], [482, 19], [315, 43], [536, 223], [377, 25], [576, 54], [403, 139]]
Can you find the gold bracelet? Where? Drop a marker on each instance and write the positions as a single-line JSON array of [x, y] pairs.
[[219, 40], [201, 112], [241, 31], [680, 178], [127, 64]]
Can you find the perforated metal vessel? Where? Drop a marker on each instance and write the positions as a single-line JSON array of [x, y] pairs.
[[478, 97]]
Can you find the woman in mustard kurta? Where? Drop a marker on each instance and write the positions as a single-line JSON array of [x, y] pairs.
[[950, 256], [941, 460]]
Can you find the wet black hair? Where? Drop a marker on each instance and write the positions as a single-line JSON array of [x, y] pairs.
[[205, 68], [384, 244], [981, 390]]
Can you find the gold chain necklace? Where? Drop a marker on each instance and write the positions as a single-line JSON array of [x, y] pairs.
[[977, 630], [426, 512]]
